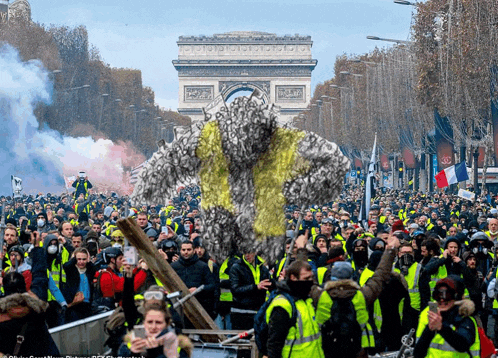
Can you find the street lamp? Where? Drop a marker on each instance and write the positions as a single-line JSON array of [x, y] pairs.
[[351, 74], [336, 86], [404, 2], [377, 38]]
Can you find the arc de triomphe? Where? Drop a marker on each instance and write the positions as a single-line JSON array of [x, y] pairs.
[[279, 66]]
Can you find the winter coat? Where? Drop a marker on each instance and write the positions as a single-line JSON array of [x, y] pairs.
[[243, 286], [15, 311], [459, 330], [73, 279], [371, 290], [195, 273]]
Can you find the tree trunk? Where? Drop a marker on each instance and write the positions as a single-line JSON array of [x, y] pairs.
[[165, 273]]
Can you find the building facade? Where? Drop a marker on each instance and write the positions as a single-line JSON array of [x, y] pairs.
[[279, 67]]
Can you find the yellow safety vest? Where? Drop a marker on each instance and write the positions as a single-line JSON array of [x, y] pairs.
[[226, 294], [323, 314], [304, 338], [377, 312], [412, 279], [85, 184], [56, 271], [440, 274], [320, 273], [441, 349]]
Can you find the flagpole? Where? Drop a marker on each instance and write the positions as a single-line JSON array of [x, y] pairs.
[[367, 194]]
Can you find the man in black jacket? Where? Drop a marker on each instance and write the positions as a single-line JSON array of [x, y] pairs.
[[195, 273], [78, 290], [249, 281]]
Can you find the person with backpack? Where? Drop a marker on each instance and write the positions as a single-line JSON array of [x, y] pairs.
[[290, 316], [341, 307]]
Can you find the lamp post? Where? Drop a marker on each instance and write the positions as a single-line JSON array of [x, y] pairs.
[[377, 38], [101, 120], [404, 2]]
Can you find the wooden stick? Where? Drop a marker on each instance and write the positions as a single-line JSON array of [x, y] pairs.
[[165, 273]]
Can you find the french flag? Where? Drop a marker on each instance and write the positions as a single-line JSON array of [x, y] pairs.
[[452, 175]]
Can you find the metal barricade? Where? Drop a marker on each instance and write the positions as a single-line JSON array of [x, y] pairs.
[[84, 337]]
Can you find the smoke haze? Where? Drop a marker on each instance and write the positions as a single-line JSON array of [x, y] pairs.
[[41, 157]]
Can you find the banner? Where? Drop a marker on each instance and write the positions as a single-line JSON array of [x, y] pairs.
[[466, 194], [444, 142], [384, 163], [69, 181], [16, 186], [480, 159], [409, 158]]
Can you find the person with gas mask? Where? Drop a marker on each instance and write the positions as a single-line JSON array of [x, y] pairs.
[[56, 256], [283, 341], [481, 246], [169, 250], [412, 271], [343, 287]]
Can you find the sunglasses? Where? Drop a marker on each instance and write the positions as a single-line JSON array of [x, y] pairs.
[[156, 295]]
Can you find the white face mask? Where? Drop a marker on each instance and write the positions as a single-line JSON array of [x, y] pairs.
[[40, 222], [52, 249]]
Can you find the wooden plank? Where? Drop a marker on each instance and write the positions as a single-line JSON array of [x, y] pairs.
[[165, 273]]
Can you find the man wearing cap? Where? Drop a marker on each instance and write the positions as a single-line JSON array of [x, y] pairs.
[[451, 331], [342, 286]]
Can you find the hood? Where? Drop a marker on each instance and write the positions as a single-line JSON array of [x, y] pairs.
[[374, 241], [44, 214], [22, 300], [341, 288], [47, 240], [466, 307]]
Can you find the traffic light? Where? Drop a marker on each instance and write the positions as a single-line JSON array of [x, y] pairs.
[[400, 169], [358, 171]]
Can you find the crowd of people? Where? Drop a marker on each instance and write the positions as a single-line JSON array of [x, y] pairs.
[[421, 262]]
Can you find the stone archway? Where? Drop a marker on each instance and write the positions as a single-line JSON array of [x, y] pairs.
[[279, 67], [229, 88]]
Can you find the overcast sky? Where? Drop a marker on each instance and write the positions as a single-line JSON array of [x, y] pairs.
[[143, 34]]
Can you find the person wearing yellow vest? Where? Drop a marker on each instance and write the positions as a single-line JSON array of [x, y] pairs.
[[447, 264], [343, 287], [249, 282], [451, 331], [335, 254], [493, 230], [411, 270], [82, 185], [294, 339], [57, 256], [225, 303]]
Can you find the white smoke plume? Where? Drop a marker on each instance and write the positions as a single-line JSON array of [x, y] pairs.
[[42, 156]]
